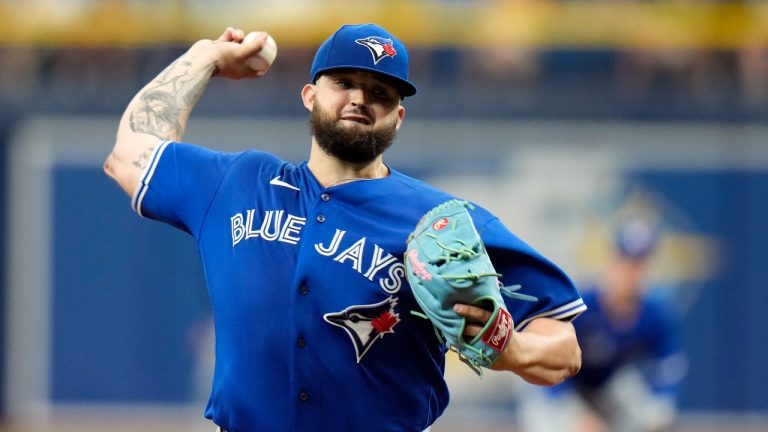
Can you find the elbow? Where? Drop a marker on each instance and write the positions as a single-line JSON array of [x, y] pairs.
[[572, 359], [574, 365], [566, 366], [128, 158], [121, 173], [569, 369], [571, 362], [109, 166]]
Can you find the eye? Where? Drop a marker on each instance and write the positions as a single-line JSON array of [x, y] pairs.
[[343, 83], [382, 93]]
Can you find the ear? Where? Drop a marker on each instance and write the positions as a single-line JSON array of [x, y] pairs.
[[400, 116], [308, 94]]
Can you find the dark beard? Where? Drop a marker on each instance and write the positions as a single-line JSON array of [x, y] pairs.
[[349, 145]]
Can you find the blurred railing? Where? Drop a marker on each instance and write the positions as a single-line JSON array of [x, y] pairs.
[[525, 23], [624, 59]]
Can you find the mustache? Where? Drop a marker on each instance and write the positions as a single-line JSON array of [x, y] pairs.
[[358, 110]]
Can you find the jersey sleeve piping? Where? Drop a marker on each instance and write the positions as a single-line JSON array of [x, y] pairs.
[[567, 312], [146, 178]]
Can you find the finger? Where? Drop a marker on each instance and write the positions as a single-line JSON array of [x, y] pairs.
[[254, 42], [238, 35], [472, 313], [471, 330], [226, 36], [231, 34], [255, 38]]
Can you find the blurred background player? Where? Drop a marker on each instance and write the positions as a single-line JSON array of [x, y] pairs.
[[632, 358]]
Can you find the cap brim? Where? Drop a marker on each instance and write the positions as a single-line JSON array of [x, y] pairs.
[[406, 87]]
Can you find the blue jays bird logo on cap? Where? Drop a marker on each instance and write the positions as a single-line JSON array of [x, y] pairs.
[[379, 47]]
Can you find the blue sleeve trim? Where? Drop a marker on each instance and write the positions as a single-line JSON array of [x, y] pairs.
[[567, 312], [146, 178]]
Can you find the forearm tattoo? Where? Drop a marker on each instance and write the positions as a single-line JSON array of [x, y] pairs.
[[164, 106]]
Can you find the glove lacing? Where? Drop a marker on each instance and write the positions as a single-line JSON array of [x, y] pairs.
[[467, 252], [463, 253]]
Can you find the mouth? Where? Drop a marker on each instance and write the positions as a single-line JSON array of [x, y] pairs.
[[358, 118]]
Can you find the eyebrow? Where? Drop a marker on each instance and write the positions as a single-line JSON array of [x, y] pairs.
[[341, 73]]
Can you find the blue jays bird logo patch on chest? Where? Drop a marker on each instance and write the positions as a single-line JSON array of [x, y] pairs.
[[366, 324]]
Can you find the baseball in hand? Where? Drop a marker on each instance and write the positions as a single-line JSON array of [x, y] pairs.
[[263, 59]]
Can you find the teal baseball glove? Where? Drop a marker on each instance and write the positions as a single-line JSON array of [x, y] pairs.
[[446, 263]]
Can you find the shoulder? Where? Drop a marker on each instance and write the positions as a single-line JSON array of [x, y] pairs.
[[408, 186], [425, 196], [255, 157], [201, 165], [248, 163], [258, 156], [187, 151]]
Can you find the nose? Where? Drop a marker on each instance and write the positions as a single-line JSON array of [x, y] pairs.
[[357, 96]]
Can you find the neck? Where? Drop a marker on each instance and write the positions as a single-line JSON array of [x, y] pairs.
[[330, 171]]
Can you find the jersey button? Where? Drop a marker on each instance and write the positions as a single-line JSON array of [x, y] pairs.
[[303, 396], [325, 197], [301, 343], [320, 218], [303, 290]]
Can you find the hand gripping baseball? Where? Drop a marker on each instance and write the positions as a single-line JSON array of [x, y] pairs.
[[237, 55], [447, 264]]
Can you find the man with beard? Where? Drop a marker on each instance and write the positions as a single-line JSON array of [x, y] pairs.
[[303, 262]]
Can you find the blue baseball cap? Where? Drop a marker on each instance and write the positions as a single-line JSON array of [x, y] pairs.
[[368, 47], [636, 239]]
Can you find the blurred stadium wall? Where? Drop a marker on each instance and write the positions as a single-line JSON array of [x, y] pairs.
[[559, 112]]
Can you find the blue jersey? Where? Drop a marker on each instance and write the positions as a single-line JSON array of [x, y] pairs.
[[651, 342], [307, 284]]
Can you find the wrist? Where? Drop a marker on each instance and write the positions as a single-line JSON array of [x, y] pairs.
[[203, 56], [510, 359]]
